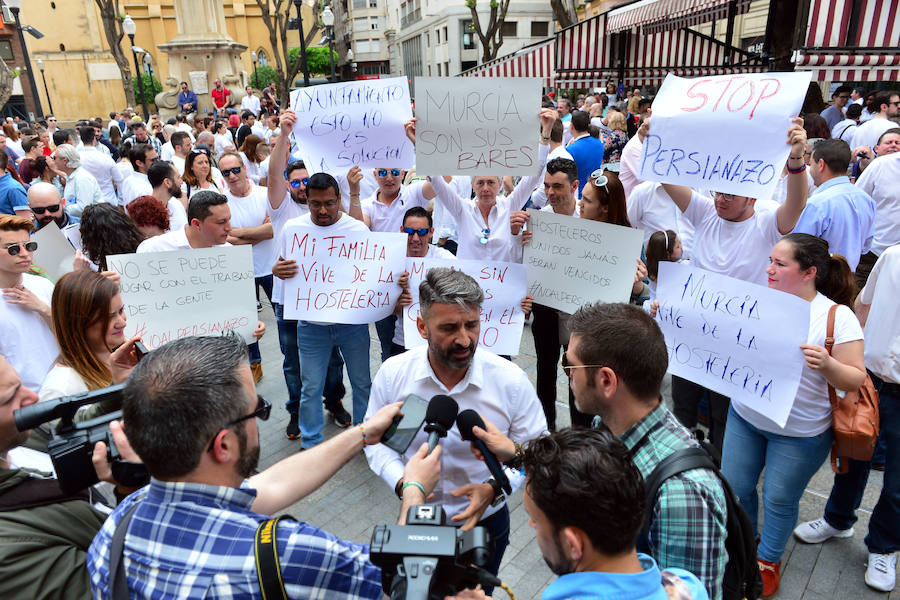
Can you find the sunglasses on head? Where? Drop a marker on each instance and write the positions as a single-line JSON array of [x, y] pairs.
[[16, 247], [419, 232], [39, 210], [232, 171], [393, 172], [296, 183], [600, 180], [203, 151]]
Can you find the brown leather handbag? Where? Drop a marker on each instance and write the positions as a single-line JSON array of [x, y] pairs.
[[854, 417]]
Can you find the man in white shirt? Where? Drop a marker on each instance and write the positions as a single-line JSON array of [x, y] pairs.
[[141, 157], [166, 184], [81, 188], [250, 102], [100, 165], [867, 134], [209, 223], [557, 150], [879, 180], [453, 364], [844, 130], [181, 144]]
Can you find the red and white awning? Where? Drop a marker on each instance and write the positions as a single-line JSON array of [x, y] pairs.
[[654, 16], [535, 60], [582, 55], [870, 52]]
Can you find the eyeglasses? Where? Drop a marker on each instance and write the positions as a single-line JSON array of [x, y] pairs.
[[393, 172], [600, 180], [725, 197], [419, 232], [263, 410], [15, 247], [295, 183], [232, 171], [484, 236], [567, 368], [39, 210], [154, 159]]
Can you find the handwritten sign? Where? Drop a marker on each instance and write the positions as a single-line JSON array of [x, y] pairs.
[[480, 126], [171, 295], [686, 144], [737, 338], [502, 318], [354, 123], [572, 262], [350, 279], [54, 253]]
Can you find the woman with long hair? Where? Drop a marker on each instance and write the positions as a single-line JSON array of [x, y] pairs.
[[603, 199], [45, 167], [12, 140], [250, 157], [799, 264], [224, 139], [105, 231], [198, 174]]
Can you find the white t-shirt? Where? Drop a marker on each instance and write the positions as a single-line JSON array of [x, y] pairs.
[[650, 209], [25, 337], [811, 413], [178, 163], [177, 214], [253, 169], [883, 337], [868, 133], [288, 211], [61, 381], [880, 180], [223, 141], [104, 170], [250, 103], [737, 249], [250, 211], [779, 195], [433, 252], [136, 185], [166, 151], [175, 239], [390, 218]]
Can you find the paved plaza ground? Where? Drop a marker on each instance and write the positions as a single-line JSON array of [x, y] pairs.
[[355, 500]]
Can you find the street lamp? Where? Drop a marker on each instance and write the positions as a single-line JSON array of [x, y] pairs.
[[148, 62], [328, 22], [15, 6], [255, 77], [46, 91], [299, 25], [130, 28]]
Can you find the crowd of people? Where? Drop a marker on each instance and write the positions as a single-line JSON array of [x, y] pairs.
[[829, 235]]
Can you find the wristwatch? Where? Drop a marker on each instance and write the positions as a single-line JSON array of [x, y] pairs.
[[499, 496]]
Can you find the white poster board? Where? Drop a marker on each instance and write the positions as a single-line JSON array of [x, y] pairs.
[[737, 338], [54, 253], [502, 318], [349, 278], [725, 133], [199, 82], [572, 262], [477, 125], [171, 295], [341, 125]]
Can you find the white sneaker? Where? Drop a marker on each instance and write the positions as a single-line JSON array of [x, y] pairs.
[[816, 532], [882, 571]]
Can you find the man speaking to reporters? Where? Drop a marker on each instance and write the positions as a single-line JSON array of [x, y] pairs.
[[453, 364]]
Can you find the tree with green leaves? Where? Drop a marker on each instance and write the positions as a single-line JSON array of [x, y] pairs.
[[263, 76], [276, 14], [151, 87], [316, 59], [491, 37]]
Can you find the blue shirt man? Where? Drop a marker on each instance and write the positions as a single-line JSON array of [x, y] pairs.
[[187, 99], [838, 211], [587, 151]]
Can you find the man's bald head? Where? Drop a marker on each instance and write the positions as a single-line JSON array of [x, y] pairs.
[[46, 203]]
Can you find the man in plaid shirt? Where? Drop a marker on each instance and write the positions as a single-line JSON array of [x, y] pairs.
[[190, 410]]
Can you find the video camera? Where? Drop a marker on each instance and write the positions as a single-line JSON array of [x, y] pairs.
[[72, 444], [426, 559]]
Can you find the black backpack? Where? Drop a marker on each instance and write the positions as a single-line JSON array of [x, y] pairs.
[[742, 578]]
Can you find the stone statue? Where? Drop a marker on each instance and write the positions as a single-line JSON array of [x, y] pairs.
[[167, 100]]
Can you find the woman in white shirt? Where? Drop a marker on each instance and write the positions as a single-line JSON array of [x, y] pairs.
[[251, 158], [199, 175], [224, 139], [799, 264]]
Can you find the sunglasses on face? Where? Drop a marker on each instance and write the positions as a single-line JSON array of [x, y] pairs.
[[600, 180], [419, 232], [16, 247], [263, 410], [393, 172], [232, 171], [484, 236], [39, 210], [296, 183]]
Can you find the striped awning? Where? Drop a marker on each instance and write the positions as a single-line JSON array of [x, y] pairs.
[[836, 50], [582, 55], [654, 16], [535, 60]]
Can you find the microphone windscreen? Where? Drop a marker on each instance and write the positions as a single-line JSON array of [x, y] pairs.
[[441, 410], [465, 421]]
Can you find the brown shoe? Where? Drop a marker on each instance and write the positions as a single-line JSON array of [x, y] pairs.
[[771, 576], [256, 369]]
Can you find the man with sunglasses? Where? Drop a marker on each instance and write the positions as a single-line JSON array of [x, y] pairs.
[[81, 188], [141, 157], [25, 336], [191, 410], [886, 105], [48, 206]]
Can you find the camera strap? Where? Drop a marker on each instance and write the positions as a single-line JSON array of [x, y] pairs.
[[268, 567], [117, 581]]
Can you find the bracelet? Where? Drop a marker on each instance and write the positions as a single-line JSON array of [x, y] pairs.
[[518, 458], [545, 139], [416, 484], [354, 195], [796, 171], [398, 488], [362, 430], [356, 204]]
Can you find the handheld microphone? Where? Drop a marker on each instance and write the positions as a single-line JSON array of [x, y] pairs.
[[465, 421], [439, 417]]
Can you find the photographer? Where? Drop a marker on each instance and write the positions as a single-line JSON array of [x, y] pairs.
[[44, 533], [190, 410]]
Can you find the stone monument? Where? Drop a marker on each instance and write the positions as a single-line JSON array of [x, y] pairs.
[[201, 52]]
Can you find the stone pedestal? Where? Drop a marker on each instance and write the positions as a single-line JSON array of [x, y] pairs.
[[200, 53]]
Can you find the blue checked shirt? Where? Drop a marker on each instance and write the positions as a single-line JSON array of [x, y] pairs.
[[189, 540]]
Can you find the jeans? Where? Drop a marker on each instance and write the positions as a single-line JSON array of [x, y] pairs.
[[385, 330], [266, 283], [790, 463], [847, 492], [545, 329], [316, 344], [686, 396]]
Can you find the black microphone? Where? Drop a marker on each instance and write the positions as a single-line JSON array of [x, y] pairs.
[[439, 417], [465, 421]]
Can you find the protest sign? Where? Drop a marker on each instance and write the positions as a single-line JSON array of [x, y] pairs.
[[484, 126], [171, 295], [735, 337], [54, 253], [688, 145], [502, 318], [349, 278], [572, 262], [340, 125]]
